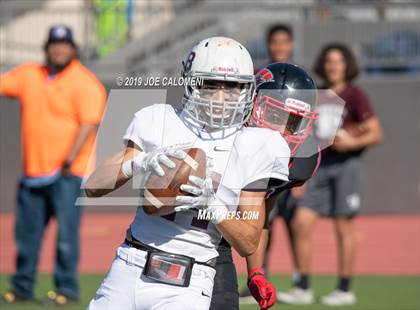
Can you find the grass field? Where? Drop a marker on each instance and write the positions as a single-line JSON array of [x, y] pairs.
[[373, 292]]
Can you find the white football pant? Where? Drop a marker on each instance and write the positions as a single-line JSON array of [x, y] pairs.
[[125, 286]]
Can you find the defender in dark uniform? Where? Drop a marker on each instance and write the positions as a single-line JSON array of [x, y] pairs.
[[285, 102], [225, 290]]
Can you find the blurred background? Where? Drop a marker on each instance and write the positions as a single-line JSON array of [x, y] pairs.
[[150, 38]]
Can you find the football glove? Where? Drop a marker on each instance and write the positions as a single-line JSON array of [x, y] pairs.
[[147, 163], [203, 198], [261, 289]]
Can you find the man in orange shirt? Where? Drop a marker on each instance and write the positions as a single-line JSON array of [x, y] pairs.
[[62, 105]]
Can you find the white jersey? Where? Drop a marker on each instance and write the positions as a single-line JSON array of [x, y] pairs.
[[239, 157]]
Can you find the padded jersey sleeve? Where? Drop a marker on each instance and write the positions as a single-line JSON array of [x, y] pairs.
[[262, 154], [306, 161], [141, 128], [147, 128]]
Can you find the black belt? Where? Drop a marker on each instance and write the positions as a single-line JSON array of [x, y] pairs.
[[131, 241]]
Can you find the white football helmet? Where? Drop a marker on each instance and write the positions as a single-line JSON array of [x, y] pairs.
[[222, 63]]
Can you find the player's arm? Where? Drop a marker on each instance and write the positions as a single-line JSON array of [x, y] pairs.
[[300, 172], [256, 259], [261, 289], [273, 172], [109, 176], [117, 170], [243, 231]]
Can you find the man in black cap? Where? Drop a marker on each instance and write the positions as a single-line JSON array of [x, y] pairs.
[[62, 104], [59, 37]]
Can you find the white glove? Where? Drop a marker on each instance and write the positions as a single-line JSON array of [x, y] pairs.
[[204, 196], [150, 162]]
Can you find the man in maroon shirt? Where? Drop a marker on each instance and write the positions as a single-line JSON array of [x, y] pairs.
[[334, 191]]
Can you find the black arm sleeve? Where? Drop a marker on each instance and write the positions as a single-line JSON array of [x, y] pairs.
[[303, 165], [264, 185]]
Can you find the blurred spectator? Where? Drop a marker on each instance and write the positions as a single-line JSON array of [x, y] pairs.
[[334, 191], [62, 105], [276, 46], [280, 43]]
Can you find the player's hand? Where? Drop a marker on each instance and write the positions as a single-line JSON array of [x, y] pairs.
[[263, 290], [201, 189], [204, 197], [151, 162]]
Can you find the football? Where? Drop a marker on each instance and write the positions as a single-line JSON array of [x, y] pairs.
[[160, 192]]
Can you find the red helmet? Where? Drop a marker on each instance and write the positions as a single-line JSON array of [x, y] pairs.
[[285, 101]]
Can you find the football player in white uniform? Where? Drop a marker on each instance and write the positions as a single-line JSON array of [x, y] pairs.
[[167, 262]]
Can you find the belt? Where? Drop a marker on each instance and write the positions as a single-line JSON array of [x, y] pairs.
[[131, 241]]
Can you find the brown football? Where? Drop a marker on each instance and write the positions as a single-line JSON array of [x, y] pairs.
[[160, 192]]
